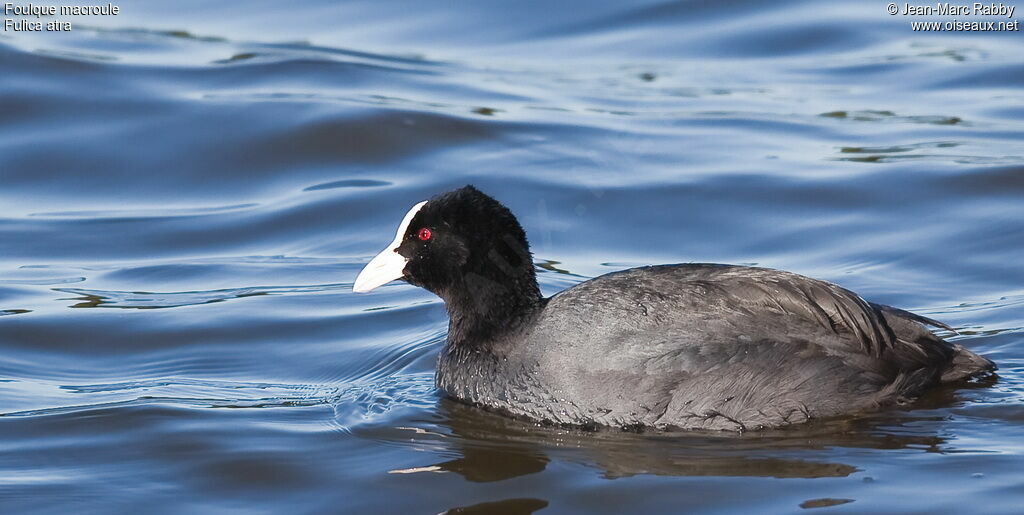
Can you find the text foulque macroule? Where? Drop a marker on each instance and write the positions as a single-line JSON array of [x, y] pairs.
[[30, 10]]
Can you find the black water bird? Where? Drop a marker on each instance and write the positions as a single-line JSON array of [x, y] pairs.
[[685, 346]]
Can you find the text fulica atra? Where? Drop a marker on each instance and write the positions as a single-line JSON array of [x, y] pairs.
[[684, 346]]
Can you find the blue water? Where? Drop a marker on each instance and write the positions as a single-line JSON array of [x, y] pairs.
[[188, 189]]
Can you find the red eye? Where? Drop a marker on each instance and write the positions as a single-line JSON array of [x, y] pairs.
[[424, 234]]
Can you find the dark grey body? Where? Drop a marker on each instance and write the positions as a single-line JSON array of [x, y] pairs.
[[701, 347]]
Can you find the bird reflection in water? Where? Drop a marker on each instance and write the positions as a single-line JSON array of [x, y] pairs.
[[492, 448]]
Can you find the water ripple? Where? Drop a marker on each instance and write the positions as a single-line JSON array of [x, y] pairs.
[[154, 300]]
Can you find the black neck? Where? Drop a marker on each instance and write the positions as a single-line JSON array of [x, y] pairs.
[[482, 308]]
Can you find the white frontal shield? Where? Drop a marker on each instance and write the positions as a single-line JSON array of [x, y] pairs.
[[389, 264]]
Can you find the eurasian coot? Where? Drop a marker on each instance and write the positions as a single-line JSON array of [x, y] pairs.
[[686, 346]]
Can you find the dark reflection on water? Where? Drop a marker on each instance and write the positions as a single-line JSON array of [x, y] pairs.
[[214, 175], [504, 507], [493, 448]]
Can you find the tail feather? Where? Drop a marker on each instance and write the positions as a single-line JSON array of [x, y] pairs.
[[962, 363], [966, 364]]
